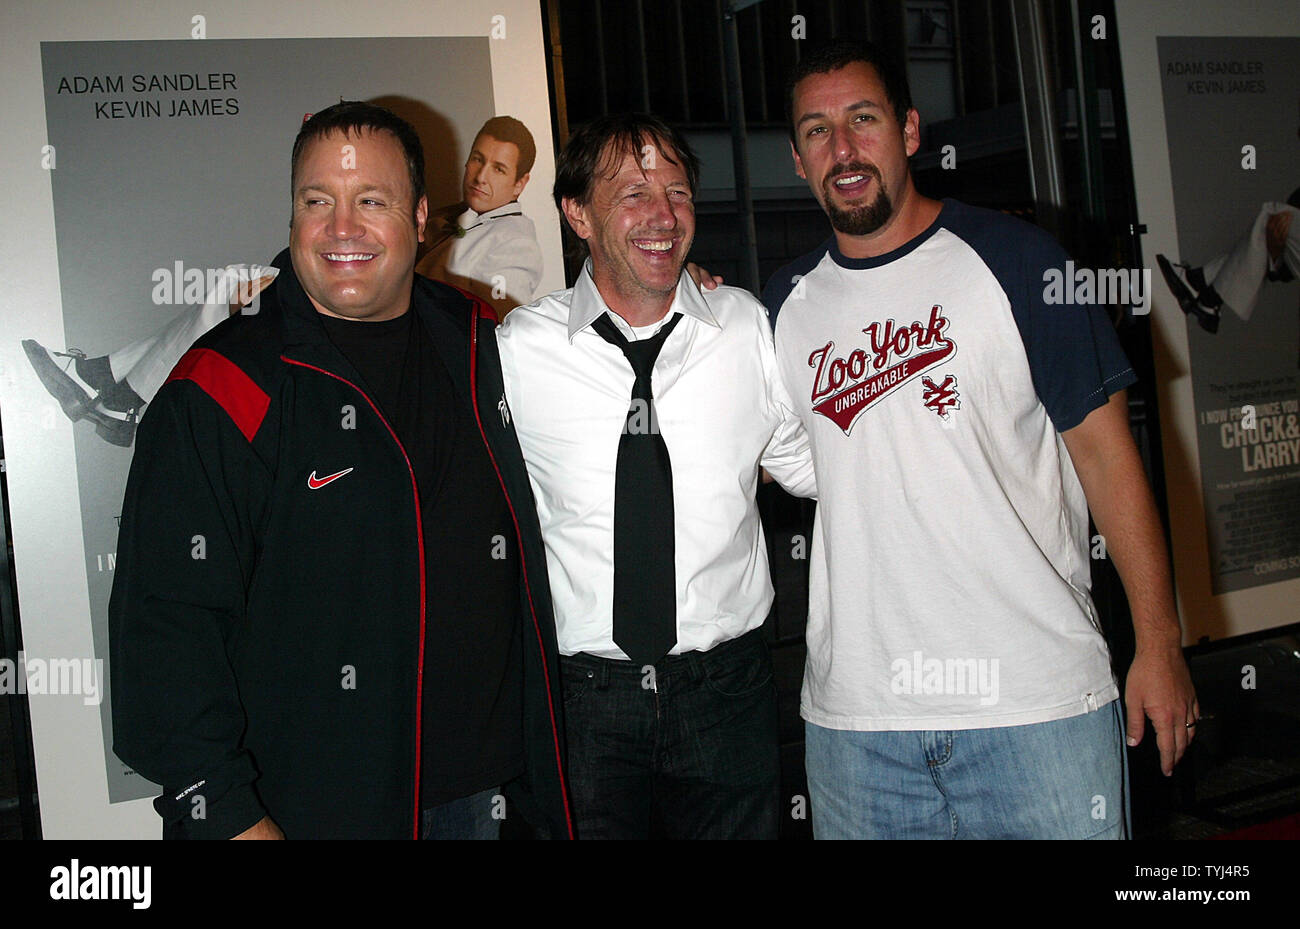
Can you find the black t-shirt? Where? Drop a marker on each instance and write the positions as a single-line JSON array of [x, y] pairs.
[[472, 711]]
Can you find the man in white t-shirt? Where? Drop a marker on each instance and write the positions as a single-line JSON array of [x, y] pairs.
[[957, 683], [486, 244]]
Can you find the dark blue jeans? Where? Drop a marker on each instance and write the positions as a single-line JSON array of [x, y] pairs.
[[477, 816], [690, 752]]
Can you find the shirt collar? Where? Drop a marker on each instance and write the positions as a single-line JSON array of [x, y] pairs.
[[469, 216], [587, 305]]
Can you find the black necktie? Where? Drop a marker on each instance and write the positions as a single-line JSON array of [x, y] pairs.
[[645, 585]]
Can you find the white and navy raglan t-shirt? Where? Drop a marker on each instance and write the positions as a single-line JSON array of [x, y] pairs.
[[949, 576]]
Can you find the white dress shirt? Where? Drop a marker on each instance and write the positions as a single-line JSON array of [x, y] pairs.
[[498, 251], [722, 411]]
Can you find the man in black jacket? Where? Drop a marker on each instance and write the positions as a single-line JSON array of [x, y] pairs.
[[331, 616]]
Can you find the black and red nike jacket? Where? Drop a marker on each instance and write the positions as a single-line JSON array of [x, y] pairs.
[[266, 636]]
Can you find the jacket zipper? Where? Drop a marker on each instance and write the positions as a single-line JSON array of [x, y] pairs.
[[476, 303], [419, 536]]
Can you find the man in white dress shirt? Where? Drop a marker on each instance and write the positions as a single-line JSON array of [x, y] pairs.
[[486, 245], [645, 487]]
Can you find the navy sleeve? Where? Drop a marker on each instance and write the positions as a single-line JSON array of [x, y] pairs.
[[782, 283], [1074, 355]]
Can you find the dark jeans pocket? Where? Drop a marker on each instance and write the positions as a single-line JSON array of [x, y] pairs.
[[739, 675], [576, 681]]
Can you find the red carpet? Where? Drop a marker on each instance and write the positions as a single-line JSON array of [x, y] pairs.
[[1288, 827]]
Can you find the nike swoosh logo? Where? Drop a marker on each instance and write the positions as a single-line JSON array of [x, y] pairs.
[[316, 483]]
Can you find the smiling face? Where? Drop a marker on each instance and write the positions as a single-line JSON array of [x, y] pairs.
[[852, 150], [638, 225], [355, 230], [490, 174]]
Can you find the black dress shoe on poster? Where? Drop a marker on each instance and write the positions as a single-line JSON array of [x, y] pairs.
[[75, 402], [119, 432], [61, 387], [1187, 300]]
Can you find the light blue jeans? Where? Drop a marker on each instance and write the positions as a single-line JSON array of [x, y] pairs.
[[1065, 779]]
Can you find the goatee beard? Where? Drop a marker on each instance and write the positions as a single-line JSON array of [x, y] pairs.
[[858, 220], [861, 220]]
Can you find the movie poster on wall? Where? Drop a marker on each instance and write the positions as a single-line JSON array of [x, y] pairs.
[[1232, 115], [173, 163]]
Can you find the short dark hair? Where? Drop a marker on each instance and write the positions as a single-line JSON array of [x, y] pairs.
[[352, 117], [509, 129], [835, 55], [599, 146]]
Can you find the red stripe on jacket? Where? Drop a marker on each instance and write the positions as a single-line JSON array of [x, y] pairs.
[[222, 380]]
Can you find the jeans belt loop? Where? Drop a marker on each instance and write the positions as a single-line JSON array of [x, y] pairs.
[[695, 665]]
